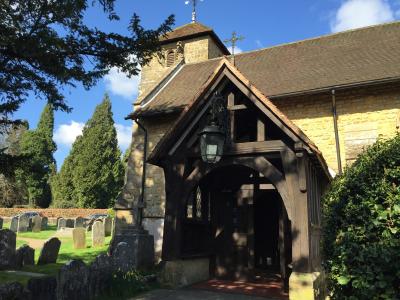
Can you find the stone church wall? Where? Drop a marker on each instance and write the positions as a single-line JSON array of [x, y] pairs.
[[363, 116]]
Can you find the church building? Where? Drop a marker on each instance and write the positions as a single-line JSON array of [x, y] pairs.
[[240, 149]]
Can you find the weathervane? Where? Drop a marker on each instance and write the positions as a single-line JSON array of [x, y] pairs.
[[233, 40], [194, 3]]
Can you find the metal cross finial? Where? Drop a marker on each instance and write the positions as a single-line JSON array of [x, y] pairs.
[[233, 40], [194, 3]]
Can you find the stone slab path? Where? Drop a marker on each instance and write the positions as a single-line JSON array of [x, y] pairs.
[[193, 294]]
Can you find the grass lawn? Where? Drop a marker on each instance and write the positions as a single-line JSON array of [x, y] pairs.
[[66, 253]]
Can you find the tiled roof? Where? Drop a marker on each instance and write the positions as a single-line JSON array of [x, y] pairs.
[[185, 31], [357, 56]]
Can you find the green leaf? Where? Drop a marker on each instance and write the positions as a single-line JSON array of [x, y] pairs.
[[343, 280]]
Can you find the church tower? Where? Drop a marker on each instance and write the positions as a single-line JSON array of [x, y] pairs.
[[190, 43]]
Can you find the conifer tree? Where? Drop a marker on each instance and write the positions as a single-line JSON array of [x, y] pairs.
[[39, 146], [92, 174]]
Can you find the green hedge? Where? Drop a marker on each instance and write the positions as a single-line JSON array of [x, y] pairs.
[[361, 242]]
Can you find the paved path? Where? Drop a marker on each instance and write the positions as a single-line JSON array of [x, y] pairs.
[[24, 273], [191, 294]]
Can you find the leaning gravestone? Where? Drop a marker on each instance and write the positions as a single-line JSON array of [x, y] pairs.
[[49, 252], [25, 256], [79, 238], [14, 224], [36, 224], [7, 249], [73, 281], [1, 223], [44, 223], [79, 222], [98, 234], [62, 223], [23, 223]]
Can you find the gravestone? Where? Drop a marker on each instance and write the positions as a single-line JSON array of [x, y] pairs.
[[14, 224], [79, 222], [13, 290], [98, 234], [36, 224], [25, 256], [73, 281], [43, 288], [122, 258], [1, 223], [107, 226], [100, 275], [7, 249], [44, 224], [49, 252], [62, 223], [69, 223], [23, 223], [79, 238]]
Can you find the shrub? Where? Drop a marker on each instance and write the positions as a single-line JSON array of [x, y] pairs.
[[361, 242]]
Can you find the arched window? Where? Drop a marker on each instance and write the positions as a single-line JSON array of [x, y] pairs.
[[197, 206], [170, 58]]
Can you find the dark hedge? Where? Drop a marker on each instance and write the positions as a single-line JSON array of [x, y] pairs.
[[361, 242]]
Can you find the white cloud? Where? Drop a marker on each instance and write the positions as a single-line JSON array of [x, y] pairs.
[[237, 50], [124, 136], [66, 134], [120, 84], [361, 13], [259, 44]]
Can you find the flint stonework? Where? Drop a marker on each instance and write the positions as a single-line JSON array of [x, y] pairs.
[[49, 252]]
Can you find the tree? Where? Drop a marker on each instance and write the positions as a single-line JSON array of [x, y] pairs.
[[12, 190], [39, 147], [92, 174], [45, 46], [361, 241]]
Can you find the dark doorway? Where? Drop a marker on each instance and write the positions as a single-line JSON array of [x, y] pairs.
[[267, 207], [248, 225]]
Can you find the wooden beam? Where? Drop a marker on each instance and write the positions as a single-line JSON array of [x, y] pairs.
[[237, 107], [256, 147], [231, 103], [260, 130]]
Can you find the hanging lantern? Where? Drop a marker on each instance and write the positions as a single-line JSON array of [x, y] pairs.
[[212, 140]]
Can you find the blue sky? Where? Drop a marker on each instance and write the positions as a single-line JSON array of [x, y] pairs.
[[262, 23]]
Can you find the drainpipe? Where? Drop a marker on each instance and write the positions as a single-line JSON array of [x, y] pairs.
[[140, 204], [335, 126]]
